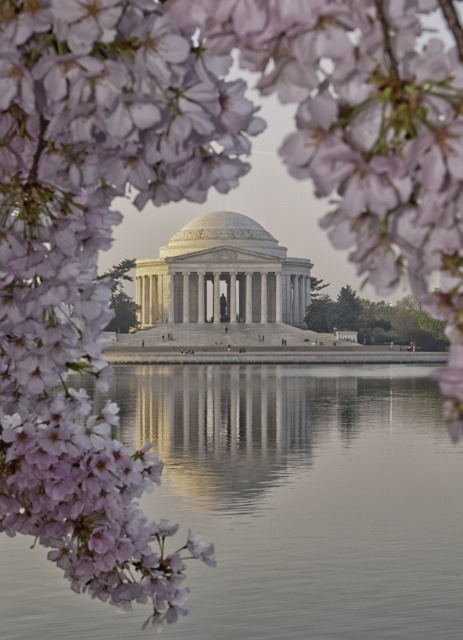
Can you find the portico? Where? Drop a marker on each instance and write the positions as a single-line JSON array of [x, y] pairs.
[[222, 268]]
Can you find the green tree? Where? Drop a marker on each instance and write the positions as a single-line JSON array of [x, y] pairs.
[[320, 314], [348, 309], [433, 326], [125, 313], [375, 322], [411, 323], [316, 285], [118, 273], [409, 303], [125, 308]]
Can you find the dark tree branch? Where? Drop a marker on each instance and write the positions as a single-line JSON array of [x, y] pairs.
[[453, 23], [394, 67], [38, 152]]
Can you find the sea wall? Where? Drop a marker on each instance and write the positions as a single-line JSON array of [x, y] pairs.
[[148, 356]]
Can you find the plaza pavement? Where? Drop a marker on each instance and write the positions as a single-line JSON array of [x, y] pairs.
[[249, 344]]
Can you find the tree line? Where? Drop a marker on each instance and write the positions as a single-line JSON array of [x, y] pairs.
[[376, 323]]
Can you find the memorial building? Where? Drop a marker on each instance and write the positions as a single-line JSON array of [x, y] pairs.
[[222, 267]]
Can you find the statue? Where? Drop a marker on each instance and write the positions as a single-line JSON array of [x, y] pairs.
[[223, 307]]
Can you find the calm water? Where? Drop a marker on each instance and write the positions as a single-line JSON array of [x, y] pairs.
[[333, 495]]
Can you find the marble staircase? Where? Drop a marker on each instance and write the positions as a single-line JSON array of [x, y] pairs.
[[221, 335]]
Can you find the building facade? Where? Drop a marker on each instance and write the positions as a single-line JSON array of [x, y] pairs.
[[222, 267]]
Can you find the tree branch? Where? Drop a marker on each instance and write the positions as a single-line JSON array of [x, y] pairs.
[[394, 67], [453, 23], [38, 152]]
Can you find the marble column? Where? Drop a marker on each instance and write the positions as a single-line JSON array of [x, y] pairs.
[[154, 300], [186, 297], [248, 317], [171, 311], [232, 301], [296, 300], [288, 299], [302, 299], [142, 298], [160, 304], [216, 297], [201, 307], [146, 300], [138, 297], [278, 305], [263, 298], [307, 291]]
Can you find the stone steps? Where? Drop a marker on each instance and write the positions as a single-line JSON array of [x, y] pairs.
[[208, 335]]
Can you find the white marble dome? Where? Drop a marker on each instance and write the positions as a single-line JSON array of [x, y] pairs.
[[222, 228]]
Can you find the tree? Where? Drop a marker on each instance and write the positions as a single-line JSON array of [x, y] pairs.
[[125, 313], [348, 309], [412, 324], [320, 314], [404, 324], [118, 274], [124, 307], [374, 322], [317, 285], [409, 303], [103, 98]]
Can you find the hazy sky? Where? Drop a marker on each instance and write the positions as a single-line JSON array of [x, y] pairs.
[[282, 205]]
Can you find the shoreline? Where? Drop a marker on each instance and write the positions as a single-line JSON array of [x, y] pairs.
[[317, 355]]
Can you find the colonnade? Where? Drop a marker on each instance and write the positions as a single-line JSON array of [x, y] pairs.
[[251, 296], [297, 298], [150, 296]]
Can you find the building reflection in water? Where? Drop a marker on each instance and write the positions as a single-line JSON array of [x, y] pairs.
[[228, 433], [223, 430], [221, 410]]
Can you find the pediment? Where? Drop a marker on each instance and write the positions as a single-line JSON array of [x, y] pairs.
[[224, 254]]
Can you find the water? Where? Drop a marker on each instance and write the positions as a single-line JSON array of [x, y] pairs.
[[332, 493]]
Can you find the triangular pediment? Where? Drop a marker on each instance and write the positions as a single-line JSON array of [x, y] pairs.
[[224, 254]]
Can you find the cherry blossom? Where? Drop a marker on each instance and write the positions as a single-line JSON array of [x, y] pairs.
[[101, 98]]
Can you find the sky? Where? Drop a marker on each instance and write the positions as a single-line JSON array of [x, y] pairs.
[[282, 205]]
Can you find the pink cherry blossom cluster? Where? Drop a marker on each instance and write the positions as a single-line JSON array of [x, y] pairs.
[[112, 94], [378, 129], [97, 97], [63, 479], [65, 482]]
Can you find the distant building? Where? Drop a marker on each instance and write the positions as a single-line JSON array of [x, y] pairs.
[[222, 267]]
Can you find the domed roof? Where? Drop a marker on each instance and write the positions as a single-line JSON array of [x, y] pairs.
[[222, 228], [223, 224]]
